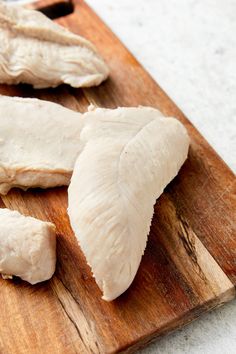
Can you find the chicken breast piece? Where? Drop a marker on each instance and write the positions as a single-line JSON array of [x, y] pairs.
[[39, 143], [27, 247], [59, 56], [130, 155]]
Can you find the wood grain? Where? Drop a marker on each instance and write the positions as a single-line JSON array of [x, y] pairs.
[[188, 266]]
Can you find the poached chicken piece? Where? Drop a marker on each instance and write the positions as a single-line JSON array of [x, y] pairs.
[[27, 247], [39, 143], [37, 51], [129, 156]]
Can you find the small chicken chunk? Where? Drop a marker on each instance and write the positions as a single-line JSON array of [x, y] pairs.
[[27, 247]]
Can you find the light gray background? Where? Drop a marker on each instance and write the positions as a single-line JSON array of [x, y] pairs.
[[189, 47]]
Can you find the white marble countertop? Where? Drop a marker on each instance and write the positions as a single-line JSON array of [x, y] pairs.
[[189, 47]]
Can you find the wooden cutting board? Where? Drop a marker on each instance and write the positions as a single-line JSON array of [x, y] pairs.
[[188, 266]]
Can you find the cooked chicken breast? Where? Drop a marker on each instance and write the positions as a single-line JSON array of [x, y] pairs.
[[36, 51], [39, 143], [129, 156], [27, 247]]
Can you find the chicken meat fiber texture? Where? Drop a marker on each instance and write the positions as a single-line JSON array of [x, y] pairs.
[[34, 50], [39, 143], [128, 158], [27, 247]]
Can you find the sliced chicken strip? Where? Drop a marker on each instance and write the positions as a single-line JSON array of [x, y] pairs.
[[129, 157], [37, 51], [39, 143], [27, 247]]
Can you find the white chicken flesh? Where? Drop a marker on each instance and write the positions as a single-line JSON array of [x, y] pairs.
[[129, 156], [37, 51], [27, 247], [39, 143]]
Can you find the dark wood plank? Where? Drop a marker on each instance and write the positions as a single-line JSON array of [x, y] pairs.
[[188, 266]]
